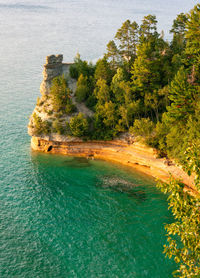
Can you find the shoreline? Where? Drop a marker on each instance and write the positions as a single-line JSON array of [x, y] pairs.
[[134, 155]]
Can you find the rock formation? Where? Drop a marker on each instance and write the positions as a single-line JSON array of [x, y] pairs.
[[124, 150], [54, 67]]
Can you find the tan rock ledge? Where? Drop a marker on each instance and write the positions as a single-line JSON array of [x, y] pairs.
[[135, 155]]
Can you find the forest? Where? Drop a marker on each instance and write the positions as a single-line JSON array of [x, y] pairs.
[[144, 85]]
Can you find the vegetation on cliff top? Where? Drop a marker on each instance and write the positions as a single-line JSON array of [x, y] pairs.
[[143, 84], [183, 235]]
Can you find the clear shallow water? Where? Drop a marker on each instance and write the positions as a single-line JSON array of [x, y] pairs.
[[61, 217], [70, 217]]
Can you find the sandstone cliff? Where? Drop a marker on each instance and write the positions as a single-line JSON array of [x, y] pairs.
[[124, 150], [54, 67]]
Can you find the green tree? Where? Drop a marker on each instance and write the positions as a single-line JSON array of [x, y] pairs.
[[81, 67], [128, 113], [127, 37], [183, 235], [112, 55], [79, 125], [148, 29], [116, 85], [40, 126], [102, 91], [59, 93], [192, 32], [103, 70], [105, 120], [82, 90], [178, 30], [193, 45], [182, 96], [57, 127], [143, 128]]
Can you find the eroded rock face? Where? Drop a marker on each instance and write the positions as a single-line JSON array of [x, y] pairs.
[[54, 59], [54, 67], [44, 116], [135, 155]]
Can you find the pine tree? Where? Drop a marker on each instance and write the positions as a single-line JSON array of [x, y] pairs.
[[127, 36], [115, 86], [182, 96], [148, 28], [102, 91], [112, 55], [193, 32], [103, 70], [178, 30]]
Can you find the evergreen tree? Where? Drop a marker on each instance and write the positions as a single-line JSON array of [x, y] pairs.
[[148, 29], [178, 30], [193, 45], [182, 96], [113, 55], [116, 86], [79, 125], [82, 90], [59, 93], [103, 70], [102, 91], [127, 36], [193, 32]]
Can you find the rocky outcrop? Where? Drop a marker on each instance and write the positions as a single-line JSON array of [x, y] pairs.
[[124, 151], [54, 67]]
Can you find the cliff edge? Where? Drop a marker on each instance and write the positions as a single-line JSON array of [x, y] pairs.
[[46, 122]]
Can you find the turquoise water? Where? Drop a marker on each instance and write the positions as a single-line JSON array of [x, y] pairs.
[[59, 216], [72, 217]]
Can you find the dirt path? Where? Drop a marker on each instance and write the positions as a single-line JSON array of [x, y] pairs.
[[81, 107]]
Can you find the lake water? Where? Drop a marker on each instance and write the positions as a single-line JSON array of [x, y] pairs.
[[68, 217]]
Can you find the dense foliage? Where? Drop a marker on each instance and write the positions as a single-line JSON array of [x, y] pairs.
[[142, 76], [60, 96], [143, 84], [184, 234]]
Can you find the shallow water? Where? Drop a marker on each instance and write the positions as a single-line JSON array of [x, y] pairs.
[[69, 217]]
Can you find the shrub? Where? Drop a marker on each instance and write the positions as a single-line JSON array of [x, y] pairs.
[[79, 125], [91, 102], [82, 90], [81, 67], [81, 93], [39, 102], [57, 127], [59, 93], [145, 130], [40, 127], [143, 127], [73, 71], [70, 108]]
